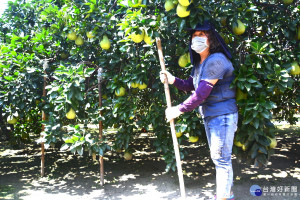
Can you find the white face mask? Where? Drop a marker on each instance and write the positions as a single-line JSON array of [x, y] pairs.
[[199, 44]]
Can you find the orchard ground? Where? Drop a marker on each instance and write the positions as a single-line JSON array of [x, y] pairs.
[[71, 177]]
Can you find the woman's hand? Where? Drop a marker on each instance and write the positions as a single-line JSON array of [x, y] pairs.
[[172, 113], [170, 77]]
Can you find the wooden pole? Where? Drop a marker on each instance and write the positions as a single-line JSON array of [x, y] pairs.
[[45, 66], [172, 124], [100, 127]]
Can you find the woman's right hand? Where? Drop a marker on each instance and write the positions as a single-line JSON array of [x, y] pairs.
[[170, 77]]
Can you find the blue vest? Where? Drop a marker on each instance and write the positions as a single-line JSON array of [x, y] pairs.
[[222, 98]]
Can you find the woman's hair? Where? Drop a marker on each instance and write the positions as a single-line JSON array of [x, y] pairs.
[[215, 45]]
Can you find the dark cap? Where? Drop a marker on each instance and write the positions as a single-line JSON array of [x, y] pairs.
[[206, 26]]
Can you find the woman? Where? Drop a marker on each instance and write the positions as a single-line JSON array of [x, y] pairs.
[[211, 77]]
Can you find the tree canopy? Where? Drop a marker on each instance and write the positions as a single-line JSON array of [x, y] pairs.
[[66, 41]]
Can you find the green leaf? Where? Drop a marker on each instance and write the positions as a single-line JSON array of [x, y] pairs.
[[254, 150], [101, 152], [265, 114], [183, 127], [182, 24], [256, 123], [252, 79], [168, 167], [77, 127], [263, 141], [247, 120], [258, 65], [247, 86], [78, 95], [75, 138], [71, 141], [256, 107], [263, 150], [9, 78], [73, 150], [80, 150], [264, 46], [270, 105], [255, 114], [89, 71], [70, 94], [64, 147]]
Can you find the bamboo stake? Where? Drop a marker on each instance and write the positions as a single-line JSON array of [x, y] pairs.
[[172, 124], [45, 66], [100, 128]]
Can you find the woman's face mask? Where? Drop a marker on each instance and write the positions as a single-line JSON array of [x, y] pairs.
[[199, 44]]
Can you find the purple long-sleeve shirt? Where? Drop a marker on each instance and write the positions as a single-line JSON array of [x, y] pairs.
[[184, 85], [200, 94]]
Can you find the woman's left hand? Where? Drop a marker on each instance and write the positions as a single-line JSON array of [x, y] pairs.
[[172, 113]]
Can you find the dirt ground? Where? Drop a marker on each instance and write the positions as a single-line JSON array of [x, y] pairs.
[[70, 177]]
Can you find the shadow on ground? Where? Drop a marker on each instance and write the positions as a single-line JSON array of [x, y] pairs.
[[73, 177]]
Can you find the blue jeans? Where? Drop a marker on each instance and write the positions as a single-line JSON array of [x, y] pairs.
[[220, 133]]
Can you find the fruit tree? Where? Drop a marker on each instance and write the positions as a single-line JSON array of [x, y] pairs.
[[74, 37]]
